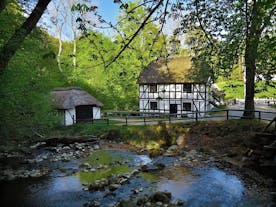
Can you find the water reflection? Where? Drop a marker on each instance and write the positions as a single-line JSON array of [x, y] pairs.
[[206, 187], [142, 160], [197, 187]]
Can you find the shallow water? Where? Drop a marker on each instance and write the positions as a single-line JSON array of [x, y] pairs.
[[199, 186]]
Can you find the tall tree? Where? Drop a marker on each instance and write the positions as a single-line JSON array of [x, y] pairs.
[[231, 29], [58, 19], [9, 49]]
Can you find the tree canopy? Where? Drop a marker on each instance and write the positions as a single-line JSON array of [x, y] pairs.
[[225, 34]]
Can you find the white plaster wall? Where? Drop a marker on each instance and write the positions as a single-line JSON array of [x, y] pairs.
[[96, 112], [177, 96], [70, 116]]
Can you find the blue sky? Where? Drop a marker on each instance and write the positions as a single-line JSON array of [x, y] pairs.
[[108, 9]]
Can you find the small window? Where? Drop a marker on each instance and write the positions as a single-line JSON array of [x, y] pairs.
[[153, 88], [187, 87], [153, 105], [187, 106]]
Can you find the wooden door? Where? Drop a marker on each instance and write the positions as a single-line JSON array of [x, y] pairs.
[[173, 108], [84, 113]]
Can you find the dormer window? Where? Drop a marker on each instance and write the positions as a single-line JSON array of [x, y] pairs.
[[187, 87], [153, 88]]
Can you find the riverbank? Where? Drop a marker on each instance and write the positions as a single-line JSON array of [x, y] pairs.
[[232, 146]]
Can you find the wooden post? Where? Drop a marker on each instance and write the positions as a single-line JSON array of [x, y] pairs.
[[227, 114], [196, 117], [144, 120], [260, 116], [126, 120]]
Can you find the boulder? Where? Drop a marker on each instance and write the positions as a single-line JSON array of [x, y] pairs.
[[180, 141], [174, 149], [114, 187], [126, 203], [163, 197], [152, 168], [179, 203]]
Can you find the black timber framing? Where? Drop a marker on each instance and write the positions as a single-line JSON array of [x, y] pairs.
[[171, 96]]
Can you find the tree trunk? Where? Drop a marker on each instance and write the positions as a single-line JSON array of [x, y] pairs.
[[251, 46], [75, 52], [73, 27], [9, 49], [3, 4], [59, 51], [250, 69]]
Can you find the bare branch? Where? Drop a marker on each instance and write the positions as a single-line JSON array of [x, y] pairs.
[[162, 26], [136, 33], [201, 24]]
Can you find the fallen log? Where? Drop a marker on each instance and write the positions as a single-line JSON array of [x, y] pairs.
[[52, 141]]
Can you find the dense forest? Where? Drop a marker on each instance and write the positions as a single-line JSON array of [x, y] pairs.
[[40, 65], [34, 72]]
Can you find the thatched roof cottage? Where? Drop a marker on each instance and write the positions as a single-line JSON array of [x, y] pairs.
[[175, 85], [76, 105]]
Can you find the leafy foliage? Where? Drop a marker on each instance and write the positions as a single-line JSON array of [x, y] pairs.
[[232, 29], [235, 89], [25, 85]]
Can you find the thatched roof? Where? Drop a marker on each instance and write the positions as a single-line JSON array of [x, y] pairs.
[[178, 69], [70, 97]]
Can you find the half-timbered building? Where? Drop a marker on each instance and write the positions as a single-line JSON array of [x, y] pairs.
[[173, 86]]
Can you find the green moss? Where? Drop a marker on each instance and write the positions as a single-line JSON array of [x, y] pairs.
[[150, 177], [104, 157], [91, 177]]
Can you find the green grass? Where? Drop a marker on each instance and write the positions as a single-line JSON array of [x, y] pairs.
[[83, 129], [232, 89], [235, 89]]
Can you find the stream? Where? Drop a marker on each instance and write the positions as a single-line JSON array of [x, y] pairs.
[[69, 183]]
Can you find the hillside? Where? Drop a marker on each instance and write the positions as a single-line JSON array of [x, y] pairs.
[[235, 89], [33, 73], [25, 85]]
